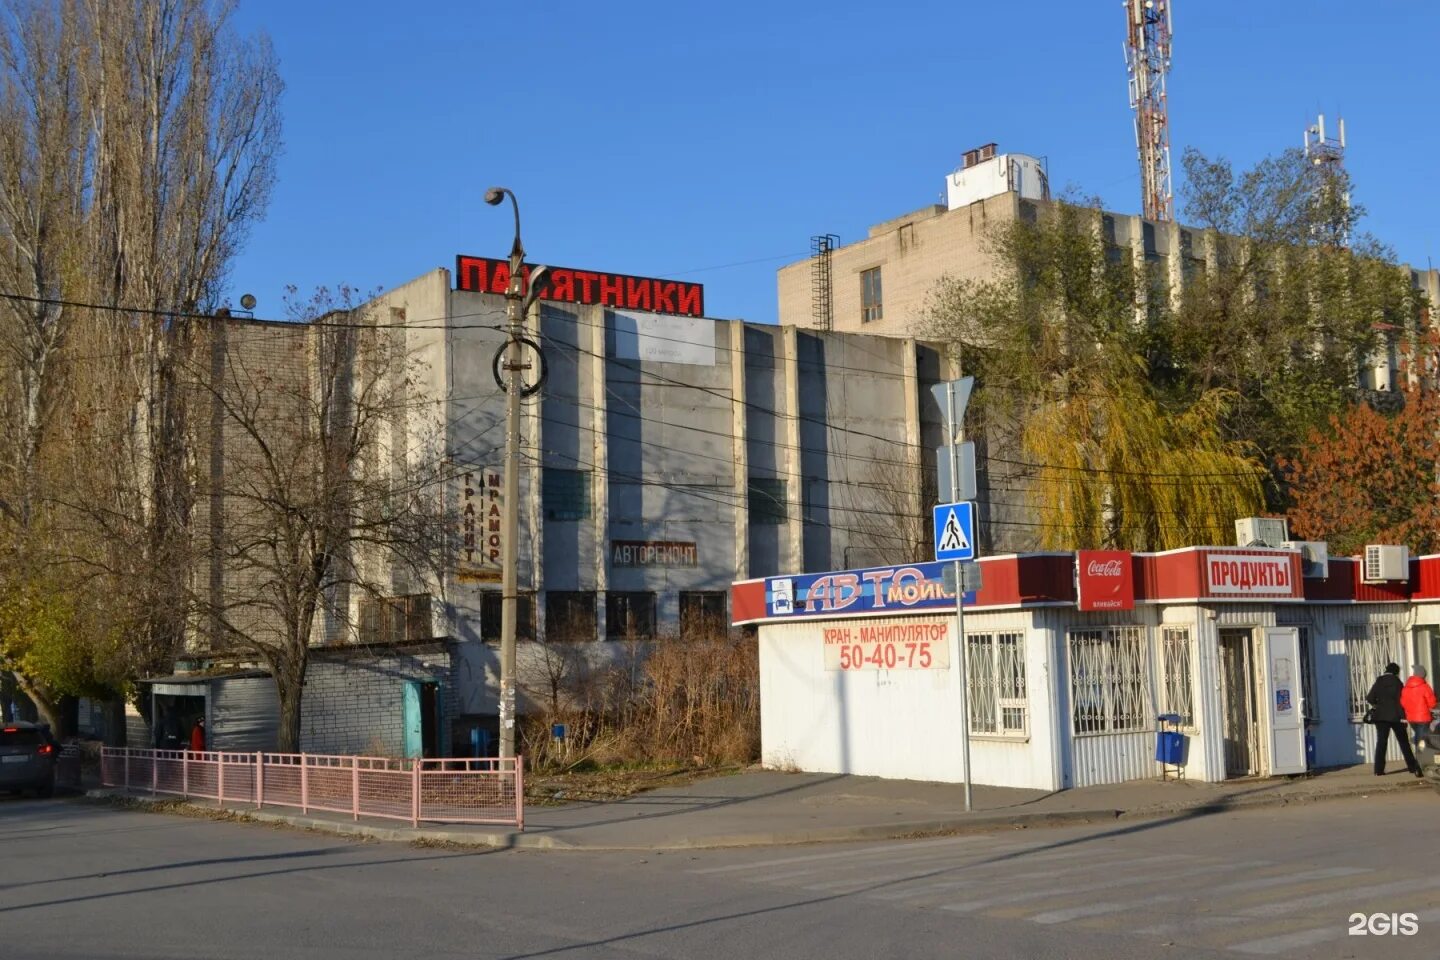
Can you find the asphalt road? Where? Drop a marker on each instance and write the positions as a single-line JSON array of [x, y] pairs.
[[86, 881]]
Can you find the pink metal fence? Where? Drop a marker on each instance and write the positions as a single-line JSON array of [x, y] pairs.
[[449, 790]]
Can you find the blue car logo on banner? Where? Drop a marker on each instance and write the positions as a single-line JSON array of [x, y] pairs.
[[904, 588]]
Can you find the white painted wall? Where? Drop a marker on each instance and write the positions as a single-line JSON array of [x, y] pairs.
[[901, 724], [904, 724]]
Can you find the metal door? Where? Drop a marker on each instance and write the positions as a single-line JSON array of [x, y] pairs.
[[1283, 678], [411, 719], [1236, 690]]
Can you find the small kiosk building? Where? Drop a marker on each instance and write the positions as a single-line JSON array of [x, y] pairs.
[[1070, 659]]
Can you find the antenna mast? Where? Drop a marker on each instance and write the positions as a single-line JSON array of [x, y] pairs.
[[1147, 57], [1327, 153]]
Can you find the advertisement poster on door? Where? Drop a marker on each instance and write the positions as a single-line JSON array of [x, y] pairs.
[[1105, 580]]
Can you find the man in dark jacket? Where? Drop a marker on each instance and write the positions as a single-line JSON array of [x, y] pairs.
[[1388, 717]]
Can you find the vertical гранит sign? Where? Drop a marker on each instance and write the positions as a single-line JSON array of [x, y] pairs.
[[1105, 580], [480, 503]]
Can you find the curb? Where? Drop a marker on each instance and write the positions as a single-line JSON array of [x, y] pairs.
[[1221, 805], [960, 826]]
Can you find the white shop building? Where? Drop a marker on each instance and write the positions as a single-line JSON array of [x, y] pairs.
[[1067, 674]]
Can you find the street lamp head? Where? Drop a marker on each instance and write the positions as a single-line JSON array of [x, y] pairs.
[[495, 196]]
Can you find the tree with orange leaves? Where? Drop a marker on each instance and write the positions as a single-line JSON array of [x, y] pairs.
[[1372, 476]]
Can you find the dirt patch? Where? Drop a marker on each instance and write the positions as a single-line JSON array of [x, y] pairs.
[[603, 784]]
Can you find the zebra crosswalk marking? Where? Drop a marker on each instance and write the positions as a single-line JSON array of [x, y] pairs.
[[972, 870], [928, 886], [757, 865], [1009, 899], [1350, 895], [917, 859], [1311, 936], [1247, 886]]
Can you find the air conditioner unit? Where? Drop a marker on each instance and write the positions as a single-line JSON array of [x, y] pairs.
[[1384, 563], [1314, 558], [1261, 531]]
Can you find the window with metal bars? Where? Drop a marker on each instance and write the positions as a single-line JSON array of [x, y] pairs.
[[395, 619], [995, 684], [1109, 680], [703, 613], [1177, 686], [1368, 648], [630, 615], [570, 615], [492, 611]]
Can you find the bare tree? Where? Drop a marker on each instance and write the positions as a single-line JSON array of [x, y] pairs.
[[330, 489], [887, 518], [137, 146]]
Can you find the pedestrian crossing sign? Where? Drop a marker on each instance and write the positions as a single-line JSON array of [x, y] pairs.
[[955, 531]]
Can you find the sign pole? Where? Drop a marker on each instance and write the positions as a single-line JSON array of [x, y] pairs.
[[960, 603]]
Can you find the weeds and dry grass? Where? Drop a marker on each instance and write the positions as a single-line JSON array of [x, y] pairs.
[[680, 708], [604, 784]]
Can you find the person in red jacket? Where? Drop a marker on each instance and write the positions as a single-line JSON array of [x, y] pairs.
[[1418, 700], [197, 736]]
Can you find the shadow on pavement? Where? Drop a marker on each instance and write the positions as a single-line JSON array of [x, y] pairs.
[[1222, 805]]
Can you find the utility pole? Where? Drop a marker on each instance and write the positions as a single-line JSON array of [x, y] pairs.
[[517, 302]]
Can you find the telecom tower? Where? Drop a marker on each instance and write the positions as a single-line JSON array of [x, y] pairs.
[[1328, 156], [1147, 57]]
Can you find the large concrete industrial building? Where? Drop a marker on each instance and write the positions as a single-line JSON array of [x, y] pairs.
[[880, 284], [668, 452]]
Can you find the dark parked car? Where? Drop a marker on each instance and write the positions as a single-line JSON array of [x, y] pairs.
[[27, 758]]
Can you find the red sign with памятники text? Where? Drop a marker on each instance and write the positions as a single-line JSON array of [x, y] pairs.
[[1105, 580], [568, 285]]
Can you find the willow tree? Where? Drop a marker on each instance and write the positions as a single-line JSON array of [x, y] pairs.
[[1069, 411], [1117, 468], [1125, 411]]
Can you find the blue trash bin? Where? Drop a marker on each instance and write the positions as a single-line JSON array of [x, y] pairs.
[[1170, 748], [1309, 750]]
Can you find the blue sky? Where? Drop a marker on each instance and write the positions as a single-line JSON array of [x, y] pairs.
[[708, 142]]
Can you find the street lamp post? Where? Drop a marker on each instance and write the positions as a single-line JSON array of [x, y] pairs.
[[518, 301]]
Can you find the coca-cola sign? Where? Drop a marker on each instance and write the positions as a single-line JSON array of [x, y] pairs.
[[1105, 580]]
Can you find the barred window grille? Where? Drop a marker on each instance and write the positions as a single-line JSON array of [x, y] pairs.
[[1177, 685], [1108, 680], [1368, 648], [995, 684]]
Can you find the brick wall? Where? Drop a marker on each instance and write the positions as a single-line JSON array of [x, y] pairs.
[[354, 704], [915, 251]]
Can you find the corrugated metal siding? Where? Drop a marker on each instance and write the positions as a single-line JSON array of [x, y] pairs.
[[1243, 615], [1095, 759], [244, 714], [1338, 739], [1114, 758]]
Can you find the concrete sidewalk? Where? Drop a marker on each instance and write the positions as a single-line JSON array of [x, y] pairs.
[[765, 807]]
